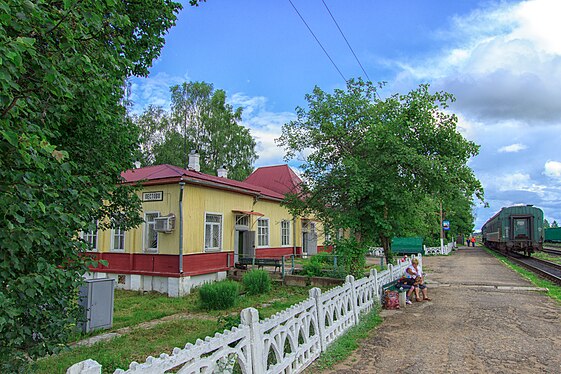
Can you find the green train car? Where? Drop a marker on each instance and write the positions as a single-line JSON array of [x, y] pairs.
[[553, 234], [515, 229]]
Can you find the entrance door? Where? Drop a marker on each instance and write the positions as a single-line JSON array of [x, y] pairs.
[[309, 239], [521, 228], [248, 247]]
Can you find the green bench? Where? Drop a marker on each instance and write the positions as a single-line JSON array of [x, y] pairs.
[[260, 262]]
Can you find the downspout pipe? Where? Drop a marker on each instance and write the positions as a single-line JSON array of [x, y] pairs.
[[181, 187], [294, 235]]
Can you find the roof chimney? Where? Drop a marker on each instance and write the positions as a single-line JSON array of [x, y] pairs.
[[194, 161], [222, 172]]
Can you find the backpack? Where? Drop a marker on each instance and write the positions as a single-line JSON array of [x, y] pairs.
[[391, 300]]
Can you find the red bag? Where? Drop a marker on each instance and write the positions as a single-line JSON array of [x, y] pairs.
[[391, 300]]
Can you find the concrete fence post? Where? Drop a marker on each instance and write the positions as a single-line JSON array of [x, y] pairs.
[[88, 366], [351, 280], [374, 274], [315, 293], [250, 317]]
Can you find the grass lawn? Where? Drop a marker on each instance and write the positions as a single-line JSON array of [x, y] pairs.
[[132, 308]]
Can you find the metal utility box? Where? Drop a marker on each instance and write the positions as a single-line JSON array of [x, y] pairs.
[[412, 245], [96, 299]]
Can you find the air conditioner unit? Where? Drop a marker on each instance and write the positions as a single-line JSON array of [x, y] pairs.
[[164, 224]]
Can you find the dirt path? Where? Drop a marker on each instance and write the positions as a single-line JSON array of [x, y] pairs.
[[484, 318]]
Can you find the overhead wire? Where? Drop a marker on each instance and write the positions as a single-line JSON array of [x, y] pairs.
[[317, 40], [344, 37]]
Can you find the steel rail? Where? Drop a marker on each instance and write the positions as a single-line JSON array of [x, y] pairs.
[[539, 271], [552, 251]]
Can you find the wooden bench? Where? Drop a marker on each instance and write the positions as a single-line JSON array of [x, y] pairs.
[[260, 262]]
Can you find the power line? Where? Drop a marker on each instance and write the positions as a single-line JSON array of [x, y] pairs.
[[342, 34], [317, 40]]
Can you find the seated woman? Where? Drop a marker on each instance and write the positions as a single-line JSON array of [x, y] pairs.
[[414, 274], [409, 285]]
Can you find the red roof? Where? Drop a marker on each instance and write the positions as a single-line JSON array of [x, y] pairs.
[[171, 174], [279, 178]]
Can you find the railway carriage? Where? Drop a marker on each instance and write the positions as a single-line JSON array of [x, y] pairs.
[[552, 234], [515, 229]]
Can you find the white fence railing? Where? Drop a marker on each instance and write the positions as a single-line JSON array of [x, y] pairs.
[[445, 250], [379, 251], [287, 342]]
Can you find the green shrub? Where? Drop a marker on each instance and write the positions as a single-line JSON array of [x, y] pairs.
[[313, 268], [257, 282], [219, 295]]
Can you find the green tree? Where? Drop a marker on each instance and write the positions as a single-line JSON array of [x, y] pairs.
[[64, 139], [546, 223], [369, 162], [201, 120], [554, 224]]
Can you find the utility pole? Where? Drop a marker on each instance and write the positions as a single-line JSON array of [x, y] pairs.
[[441, 229]]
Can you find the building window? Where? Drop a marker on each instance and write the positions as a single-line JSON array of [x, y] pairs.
[[150, 234], [90, 237], [213, 232], [118, 240], [263, 232], [242, 220], [285, 232]]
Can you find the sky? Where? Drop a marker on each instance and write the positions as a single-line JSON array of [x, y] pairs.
[[500, 59]]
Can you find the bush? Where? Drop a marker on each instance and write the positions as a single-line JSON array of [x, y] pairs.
[[219, 295], [257, 282], [313, 268]]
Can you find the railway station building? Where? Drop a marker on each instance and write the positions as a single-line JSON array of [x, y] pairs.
[[198, 226]]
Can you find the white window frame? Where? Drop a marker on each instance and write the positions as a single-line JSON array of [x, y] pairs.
[[220, 234], [146, 231], [89, 236], [120, 233], [265, 236], [285, 233]]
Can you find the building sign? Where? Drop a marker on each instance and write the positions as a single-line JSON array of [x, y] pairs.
[[153, 196], [446, 225]]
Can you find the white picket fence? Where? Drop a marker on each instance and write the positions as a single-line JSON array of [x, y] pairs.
[[379, 251], [287, 342], [445, 250]]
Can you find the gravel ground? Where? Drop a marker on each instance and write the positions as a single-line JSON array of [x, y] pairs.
[[484, 318]]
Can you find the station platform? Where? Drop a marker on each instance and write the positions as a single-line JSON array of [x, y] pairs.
[[483, 318]]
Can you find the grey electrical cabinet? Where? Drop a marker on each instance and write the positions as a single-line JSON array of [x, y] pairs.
[[96, 299]]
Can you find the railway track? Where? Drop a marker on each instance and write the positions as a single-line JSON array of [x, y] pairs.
[[543, 268], [552, 251]]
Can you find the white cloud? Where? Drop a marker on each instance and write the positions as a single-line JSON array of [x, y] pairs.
[[154, 90], [517, 147], [501, 63], [264, 125], [553, 169]]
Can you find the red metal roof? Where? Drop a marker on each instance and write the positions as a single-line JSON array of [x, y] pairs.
[[279, 178], [170, 174]]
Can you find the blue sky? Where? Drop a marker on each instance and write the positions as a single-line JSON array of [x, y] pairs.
[[501, 59]]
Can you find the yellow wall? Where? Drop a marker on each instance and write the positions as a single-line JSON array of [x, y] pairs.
[[197, 201]]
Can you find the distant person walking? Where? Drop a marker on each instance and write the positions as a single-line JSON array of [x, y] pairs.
[[473, 241], [467, 241]]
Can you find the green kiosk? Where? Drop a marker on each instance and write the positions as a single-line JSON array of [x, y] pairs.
[[408, 246]]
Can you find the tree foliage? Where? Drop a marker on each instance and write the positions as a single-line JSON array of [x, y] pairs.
[[199, 120], [371, 164], [64, 139]]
